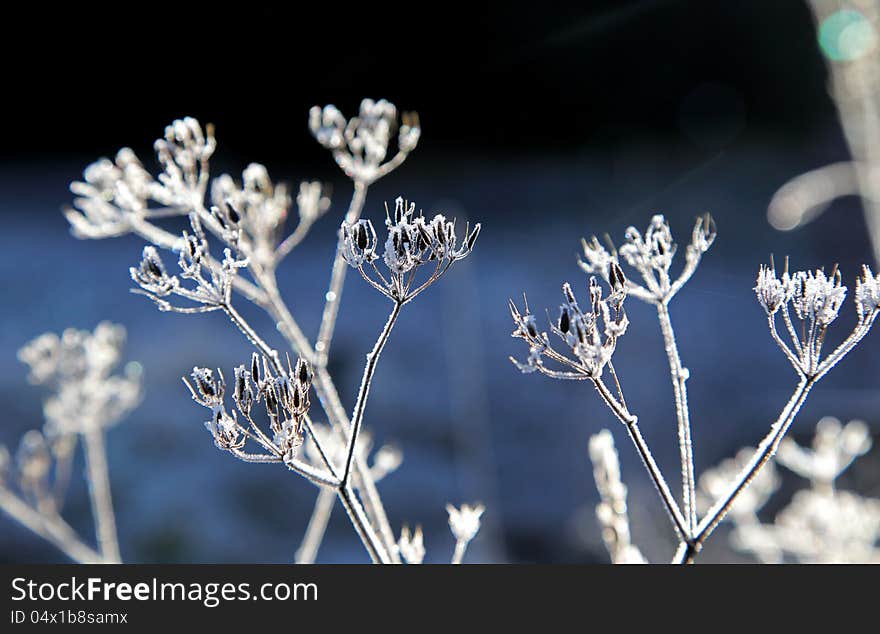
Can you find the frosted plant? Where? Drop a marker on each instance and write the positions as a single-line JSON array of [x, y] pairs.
[[821, 524], [590, 337], [85, 398], [464, 522], [611, 510], [247, 223], [848, 36]]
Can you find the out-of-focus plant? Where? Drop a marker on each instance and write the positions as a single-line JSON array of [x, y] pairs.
[[85, 399], [589, 336], [821, 524], [248, 222], [848, 34]]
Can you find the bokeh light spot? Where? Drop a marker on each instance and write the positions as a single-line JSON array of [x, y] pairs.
[[847, 35]]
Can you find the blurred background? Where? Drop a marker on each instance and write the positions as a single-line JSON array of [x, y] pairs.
[[545, 125]]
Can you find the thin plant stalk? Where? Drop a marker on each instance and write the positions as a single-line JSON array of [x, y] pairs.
[[308, 550], [53, 529], [337, 280], [99, 493], [682, 414], [362, 524], [631, 423], [762, 455], [357, 416], [332, 404]]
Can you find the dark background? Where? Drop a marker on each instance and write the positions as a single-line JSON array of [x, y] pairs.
[[546, 122]]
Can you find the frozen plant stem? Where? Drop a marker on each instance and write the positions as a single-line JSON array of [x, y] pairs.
[[688, 552], [679, 385], [357, 416], [308, 550], [337, 280], [355, 511], [765, 451], [460, 549], [53, 529], [332, 404], [99, 493], [632, 427]]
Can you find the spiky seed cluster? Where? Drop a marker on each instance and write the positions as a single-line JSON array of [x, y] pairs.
[[183, 154], [411, 545], [651, 256], [591, 335], [412, 241], [207, 293], [78, 366], [867, 293], [815, 298], [464, 522], [110, 194], [360, 145], [284, 395]]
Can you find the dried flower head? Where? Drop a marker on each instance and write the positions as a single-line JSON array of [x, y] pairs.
[[360, 145], [591, 335], [206, 293], [651, 256], [464, 522], [183, 153], [867, 293], [815, 298], [284, 393], [412, 241], [411, 545], [78, 367]]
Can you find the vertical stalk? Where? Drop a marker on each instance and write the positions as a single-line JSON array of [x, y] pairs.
[[99, 493], [337, 280], [357, 415], [682, 415], [308, 550], [332, 404], [631, 423]]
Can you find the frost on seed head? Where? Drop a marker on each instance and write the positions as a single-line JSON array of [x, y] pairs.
[[411, 243], [590, 334], [78, 367], [361, 144]]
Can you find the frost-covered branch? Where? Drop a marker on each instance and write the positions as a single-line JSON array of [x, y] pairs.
[[591, 336]]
